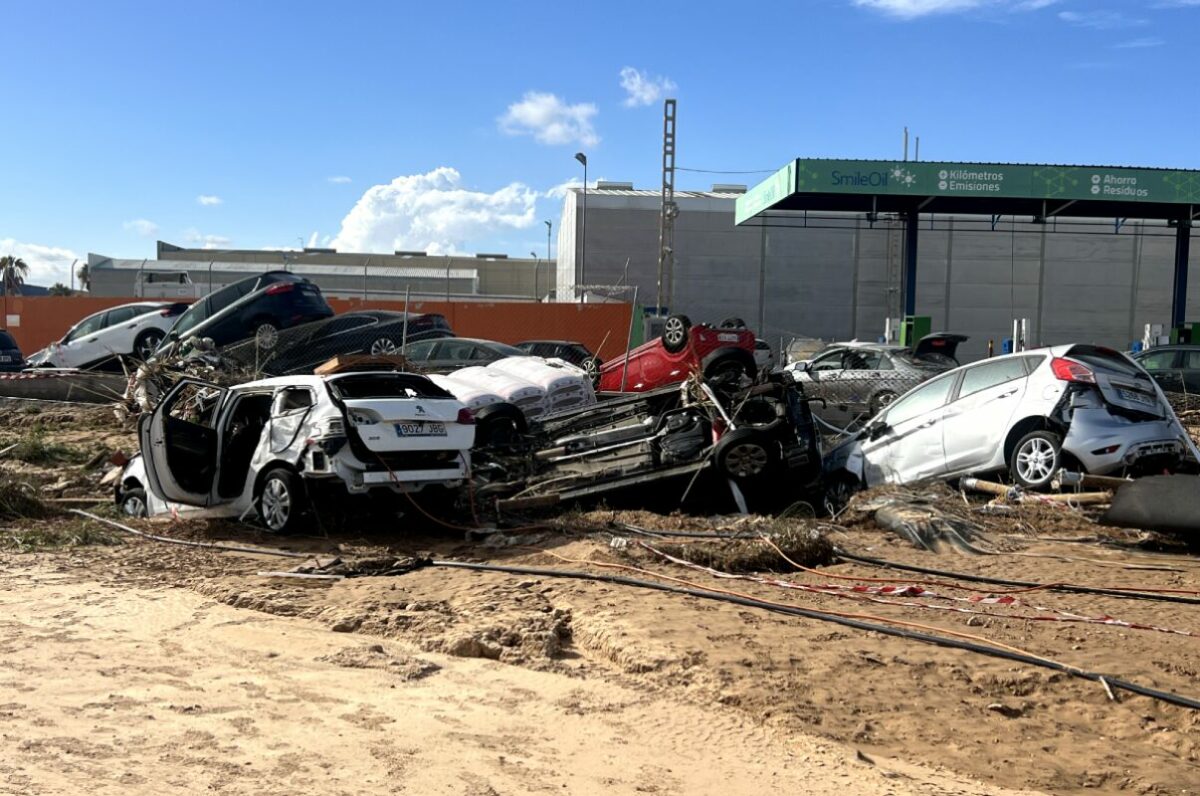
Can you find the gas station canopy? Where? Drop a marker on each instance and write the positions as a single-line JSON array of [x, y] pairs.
[[1042, 192]]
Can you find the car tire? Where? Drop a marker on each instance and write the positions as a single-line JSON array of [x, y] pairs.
[[675, 333], [282, 501], [499, 425], [266, 332], [1035, 459], [733, 323], [880, 401], [383, 346], [591, 366], [147, 343], [746, 455], [134, 503], [728, 368]]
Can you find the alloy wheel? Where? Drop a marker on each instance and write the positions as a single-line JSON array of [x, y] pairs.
[[150, 343], [746, 460], [276, 504], [1036, 460], [134, 506], [673, 332], [384, 346]]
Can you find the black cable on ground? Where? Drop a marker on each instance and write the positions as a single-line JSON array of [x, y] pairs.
[[265, 551], [1060, 587], [925, 638]]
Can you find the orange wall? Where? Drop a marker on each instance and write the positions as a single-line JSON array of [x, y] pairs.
[[44, 319]]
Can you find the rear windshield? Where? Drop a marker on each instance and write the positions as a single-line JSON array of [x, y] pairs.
[[507, 350], [1105, 360], [385, 385], [6, 340], [932, 362]]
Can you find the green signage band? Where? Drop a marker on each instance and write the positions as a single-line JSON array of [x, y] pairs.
[[982, 180]]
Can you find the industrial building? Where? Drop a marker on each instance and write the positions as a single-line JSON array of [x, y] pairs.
[[189, 273], [840, 275]]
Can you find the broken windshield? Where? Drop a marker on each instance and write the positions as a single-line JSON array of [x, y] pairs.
[[385, 385]]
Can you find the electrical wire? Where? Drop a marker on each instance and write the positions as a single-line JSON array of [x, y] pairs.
[[266, 551], [716, 171], [843, 620]]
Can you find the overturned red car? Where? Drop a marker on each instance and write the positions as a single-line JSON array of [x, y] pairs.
[[720, 354]]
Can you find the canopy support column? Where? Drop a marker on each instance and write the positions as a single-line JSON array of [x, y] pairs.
[[910, 261], [1183, 240]]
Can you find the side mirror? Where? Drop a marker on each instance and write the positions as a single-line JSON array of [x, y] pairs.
[[877, 430]]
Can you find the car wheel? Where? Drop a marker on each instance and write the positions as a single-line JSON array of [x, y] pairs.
[[147, 343], [384, 346], [591, 366], [880, 401], [1035, 459], [266, 334], [133, 503], [282, 504], [745, 455], [675, 333], [727, 372]]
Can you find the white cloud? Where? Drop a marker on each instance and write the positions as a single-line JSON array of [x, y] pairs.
[[47, 264], [195, 237], [550, 120], [1136, 44], [641, 88], [1177, 4], [339, 180], [432, 212], [560, 190], [913, 9], [1100, 19], [142, 226], [208, 200]]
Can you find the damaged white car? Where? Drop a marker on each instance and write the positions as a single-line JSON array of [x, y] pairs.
[[271, 446], [1079, 407]]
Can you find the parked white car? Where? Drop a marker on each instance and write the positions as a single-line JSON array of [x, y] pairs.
[[128, 330], [267, 446], [1030, 414]]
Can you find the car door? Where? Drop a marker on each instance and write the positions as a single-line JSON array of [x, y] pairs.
[[117, 335], [904, 444], [179, 442], [1165, 367], [856, 383], [80, 345], [976, 421], [1189, 370], [290, 407], [820, 380]]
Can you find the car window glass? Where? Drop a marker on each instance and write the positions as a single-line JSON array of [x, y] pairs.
[[456, 349], [120, 315], [479, 353], [926, 398], [87, 326], [224, 297], [419, 352], [1158, 360], [6, 341], [861, 360], [195, 403], [292, 399], [990, 374], [830, 361], [1191, 360]]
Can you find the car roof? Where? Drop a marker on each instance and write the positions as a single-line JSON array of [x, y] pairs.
[[549, 342], [1171, 347], [311, 380]]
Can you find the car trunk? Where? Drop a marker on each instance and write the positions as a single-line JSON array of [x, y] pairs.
[[1124, 385], [397, 412], [933, 347]]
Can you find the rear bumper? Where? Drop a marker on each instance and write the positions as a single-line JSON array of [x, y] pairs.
[[1104, 444], [359, 478]]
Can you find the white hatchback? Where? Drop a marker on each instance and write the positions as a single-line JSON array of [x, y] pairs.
[[268, 446], [128, 330]]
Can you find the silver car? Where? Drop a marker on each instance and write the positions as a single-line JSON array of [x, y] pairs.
[[1076, 406]]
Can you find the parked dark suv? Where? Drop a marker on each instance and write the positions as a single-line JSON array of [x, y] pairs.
[[10, 353], [255, 307]]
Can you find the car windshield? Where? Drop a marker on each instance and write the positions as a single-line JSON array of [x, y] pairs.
[[6, 340], [1105, 360], [929, 362], [507, 350], [385, 385]]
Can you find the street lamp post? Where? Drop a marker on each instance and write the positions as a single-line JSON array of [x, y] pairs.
[[582, 158], [549, 226], [537, 264]]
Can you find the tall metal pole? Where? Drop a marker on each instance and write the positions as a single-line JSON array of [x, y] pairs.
[[549, 227], [582, 158], [365, 264], [667, 209], [1183, 240], [537, 264]]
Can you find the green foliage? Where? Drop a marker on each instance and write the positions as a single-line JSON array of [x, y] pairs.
[[33, 448]]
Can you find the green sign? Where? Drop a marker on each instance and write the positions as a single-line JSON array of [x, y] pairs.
[[766, 193], [982, 180]]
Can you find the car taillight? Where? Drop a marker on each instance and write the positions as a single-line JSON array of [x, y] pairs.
[[466, 417], [1069, 370], [280, 287], [165, 312]]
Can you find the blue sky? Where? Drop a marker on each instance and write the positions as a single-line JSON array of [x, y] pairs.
[[447, 126]]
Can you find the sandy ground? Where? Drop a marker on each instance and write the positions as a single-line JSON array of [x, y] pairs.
[[119, 689]]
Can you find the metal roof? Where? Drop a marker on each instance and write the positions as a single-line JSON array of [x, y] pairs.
[[219, 266]]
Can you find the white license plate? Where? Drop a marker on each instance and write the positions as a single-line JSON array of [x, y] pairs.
[[420, 428], [5, 358], [727, 338]]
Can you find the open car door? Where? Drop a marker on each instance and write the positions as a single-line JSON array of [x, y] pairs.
[[939, 345], [179, 442]]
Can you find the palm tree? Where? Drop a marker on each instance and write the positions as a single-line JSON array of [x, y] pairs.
[[84, 276], [59, 289], [13, 271]]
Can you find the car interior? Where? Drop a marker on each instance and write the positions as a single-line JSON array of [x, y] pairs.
[[243, 429]]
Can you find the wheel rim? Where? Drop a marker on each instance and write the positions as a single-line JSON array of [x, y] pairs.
[[590, 367], [149, 345], [134, 507], [674, 332], [1036, 460], [885, 399], [276, 504], [383, 346], [266, 336], [746, 460]]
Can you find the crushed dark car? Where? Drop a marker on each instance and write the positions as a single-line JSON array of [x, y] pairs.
[[684, 444]]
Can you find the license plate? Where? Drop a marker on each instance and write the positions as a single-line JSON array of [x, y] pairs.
[[1133, 395], [5, 358], [727, 338], [420, 428]]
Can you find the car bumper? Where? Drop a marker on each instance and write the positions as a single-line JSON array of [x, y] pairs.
[[358, 478], [1103, 443]]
